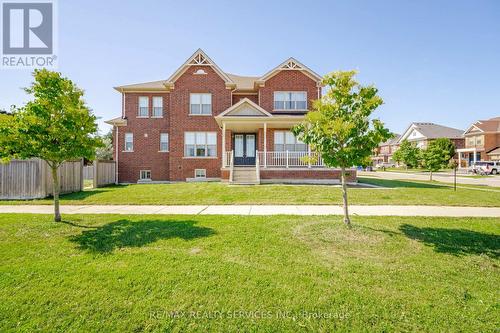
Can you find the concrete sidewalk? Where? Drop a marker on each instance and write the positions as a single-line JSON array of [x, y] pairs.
[[261, 210]]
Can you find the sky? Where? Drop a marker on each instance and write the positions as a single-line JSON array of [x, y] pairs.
[[432, 61]]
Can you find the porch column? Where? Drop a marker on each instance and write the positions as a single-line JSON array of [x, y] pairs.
[[459, 160], [265, 145], [475, 156], [223, 145]]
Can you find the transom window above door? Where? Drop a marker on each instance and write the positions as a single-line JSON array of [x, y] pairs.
[[286, 141], [290, 100], [200, 104]]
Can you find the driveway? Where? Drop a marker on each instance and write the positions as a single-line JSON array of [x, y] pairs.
[[441, 177]]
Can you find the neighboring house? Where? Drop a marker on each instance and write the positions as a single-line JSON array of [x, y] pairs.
[[423, 133], [205, 124], [383, 154], [482, 142]]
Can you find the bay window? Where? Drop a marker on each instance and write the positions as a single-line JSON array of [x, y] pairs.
[[200, 144]]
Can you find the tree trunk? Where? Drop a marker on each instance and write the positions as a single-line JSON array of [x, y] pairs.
[[55, 190], [430, 175], [347, 221]]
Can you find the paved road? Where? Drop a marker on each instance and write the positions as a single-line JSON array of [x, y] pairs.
[[262, 210], [441, 177]]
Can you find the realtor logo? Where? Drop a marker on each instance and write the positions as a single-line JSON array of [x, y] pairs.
[[28, 34]]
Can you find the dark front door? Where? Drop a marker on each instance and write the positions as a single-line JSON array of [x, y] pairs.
[[244, 149]]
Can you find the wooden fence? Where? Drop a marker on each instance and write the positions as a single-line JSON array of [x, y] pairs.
[[104, 173], [32, 179], [88, 172]]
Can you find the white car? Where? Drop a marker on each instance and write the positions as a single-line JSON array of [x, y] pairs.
[[486, 167]]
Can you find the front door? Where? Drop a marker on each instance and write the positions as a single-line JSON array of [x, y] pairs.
[[244, 149]]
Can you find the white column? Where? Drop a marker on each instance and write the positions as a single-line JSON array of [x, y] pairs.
[[265, 145], [475, 156], [459, 160], [223, 145]]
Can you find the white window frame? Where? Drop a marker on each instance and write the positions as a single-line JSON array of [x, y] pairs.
[[140, 108], [162, 136], [199, 145], [293, 103], [153, 113], [131, 136], [200, 104], [204, 171], [145, 171], [288, 141]]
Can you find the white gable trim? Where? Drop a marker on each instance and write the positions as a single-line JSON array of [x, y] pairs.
[[408, 131], [199, 58], [238, 105], [471, 127], [287, 65]]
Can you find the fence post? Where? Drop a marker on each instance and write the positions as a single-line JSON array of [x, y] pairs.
[[94, 178], [81, 174]]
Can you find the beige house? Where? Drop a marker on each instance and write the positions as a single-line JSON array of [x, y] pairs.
[[423, 133]]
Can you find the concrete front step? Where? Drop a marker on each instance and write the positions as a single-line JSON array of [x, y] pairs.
[[245, 176]]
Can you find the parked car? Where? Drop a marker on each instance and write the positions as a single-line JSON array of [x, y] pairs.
[[486, 167], [385, 165]]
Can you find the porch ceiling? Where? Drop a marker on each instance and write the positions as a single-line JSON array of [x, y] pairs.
[[250, 124]]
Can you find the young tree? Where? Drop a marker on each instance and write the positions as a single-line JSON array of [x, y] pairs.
[[339, 127], [55, 126], [438, 154], [408, 153]]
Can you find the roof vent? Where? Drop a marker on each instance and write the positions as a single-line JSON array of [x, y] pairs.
[[200, 72]]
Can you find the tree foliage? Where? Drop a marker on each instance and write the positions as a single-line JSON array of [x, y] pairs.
[[438, 154], [408, 153], [105, 152], [339, 126], [56, 126]]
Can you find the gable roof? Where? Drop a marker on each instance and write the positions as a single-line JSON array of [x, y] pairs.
[[239, 110], [432, 131], [290, 64], [391, 141], [232, 81], [489, 125]]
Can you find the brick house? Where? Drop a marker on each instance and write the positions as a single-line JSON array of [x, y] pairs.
[[205, 124], [383, 153], [482, 142]]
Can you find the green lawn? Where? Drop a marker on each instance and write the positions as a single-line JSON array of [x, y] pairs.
[[396, 193], [110, 273]]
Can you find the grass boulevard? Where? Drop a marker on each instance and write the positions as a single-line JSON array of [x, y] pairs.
[[393, 192], [280, 273]]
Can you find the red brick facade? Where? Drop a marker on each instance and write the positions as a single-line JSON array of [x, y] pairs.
[[176, 120]]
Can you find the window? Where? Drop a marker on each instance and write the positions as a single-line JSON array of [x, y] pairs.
[[129, 142], [145, 175], [163, 141], [200, 144], [290, 100], [143, 107], [285, 140], [200, 173], [157, 107], [200, 104], [479, 140]]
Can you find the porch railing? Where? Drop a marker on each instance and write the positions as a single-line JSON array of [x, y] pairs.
[[290, 159]]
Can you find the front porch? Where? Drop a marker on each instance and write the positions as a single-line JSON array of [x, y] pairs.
[[258, 147]]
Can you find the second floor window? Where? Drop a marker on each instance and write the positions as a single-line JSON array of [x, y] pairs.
[[290, 100], [129, 142], [285, 140], [200, 144], [200, 104], [143, 107], [158, 106], [163, 141]]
